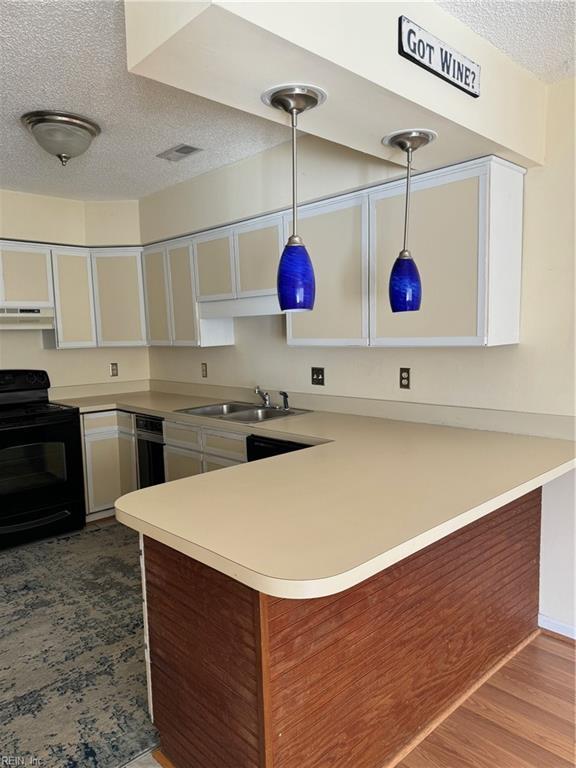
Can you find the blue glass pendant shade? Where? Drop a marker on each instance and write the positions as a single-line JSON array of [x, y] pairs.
[[296, 283], [405, 288]]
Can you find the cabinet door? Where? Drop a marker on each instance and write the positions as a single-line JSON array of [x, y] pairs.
[[25, 277], [217, 462], [445, 242], [102, 470], [127, 463], [119, 297], [335, 235], [215, 273], [179, 462], [73, 298], [110, 457], [182, 295], [156, 296], [258, 247]]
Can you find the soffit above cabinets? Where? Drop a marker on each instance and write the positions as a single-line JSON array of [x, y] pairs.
[[70, 55], [233, 52]]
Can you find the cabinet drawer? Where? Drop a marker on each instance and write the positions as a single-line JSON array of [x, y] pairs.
[[185, 435], [227, 444], [104, 421]]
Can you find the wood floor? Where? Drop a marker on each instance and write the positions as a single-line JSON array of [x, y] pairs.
[[522, 717]]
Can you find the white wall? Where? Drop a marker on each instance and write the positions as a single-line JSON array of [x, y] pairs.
[[557, 557]]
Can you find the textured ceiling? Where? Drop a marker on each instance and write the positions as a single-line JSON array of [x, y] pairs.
[[538, 34], [70, 55]]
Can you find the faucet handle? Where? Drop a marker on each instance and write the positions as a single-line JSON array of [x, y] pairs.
[[286, 404]]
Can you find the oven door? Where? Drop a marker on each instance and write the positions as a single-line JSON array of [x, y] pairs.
[[41, 480]]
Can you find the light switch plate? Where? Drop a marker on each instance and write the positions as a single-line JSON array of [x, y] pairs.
[[113, 369]]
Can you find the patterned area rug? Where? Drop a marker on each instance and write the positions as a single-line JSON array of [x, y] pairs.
[[72, 674]]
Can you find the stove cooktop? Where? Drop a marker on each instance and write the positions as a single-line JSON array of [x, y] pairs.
[[26, 413]]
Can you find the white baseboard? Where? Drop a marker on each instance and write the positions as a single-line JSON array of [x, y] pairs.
[[545, 622]]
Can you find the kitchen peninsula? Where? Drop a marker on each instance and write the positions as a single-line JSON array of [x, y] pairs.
[[324, 607]]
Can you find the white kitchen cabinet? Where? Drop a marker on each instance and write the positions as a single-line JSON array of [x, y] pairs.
[[190, 450], [119, 297], [336, 236], [183, 310], [109, 458], [25, 275], [181, 462], [220, 442], [156, 296], [170, 299], [466, 239], [73, 298], [211, 463], [215, 265], [258, 245]]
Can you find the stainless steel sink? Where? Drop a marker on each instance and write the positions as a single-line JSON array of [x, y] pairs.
[[263, 414], [218, 409]]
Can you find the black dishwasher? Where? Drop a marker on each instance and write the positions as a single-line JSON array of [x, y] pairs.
[[150, 450], [262, 447]]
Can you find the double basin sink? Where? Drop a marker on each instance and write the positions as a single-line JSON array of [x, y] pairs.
[[242, 412]]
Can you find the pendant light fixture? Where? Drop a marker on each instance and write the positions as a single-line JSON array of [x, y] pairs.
[[62, 134], [296, 284], [405, 288]]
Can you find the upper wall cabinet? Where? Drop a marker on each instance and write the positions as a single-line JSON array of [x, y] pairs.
[[336, 236], [215, 265], [183, 310], [170, 299], [258, 246], [25, 276], [156, 295], [119, 297], [73, 298], [236, 268], [466, 238]]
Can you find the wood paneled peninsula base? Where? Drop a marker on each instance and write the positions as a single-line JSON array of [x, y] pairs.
[[244, 680]]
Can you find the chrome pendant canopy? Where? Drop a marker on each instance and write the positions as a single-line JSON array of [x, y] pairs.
[[405, 287], [62, 134], [296, 282]]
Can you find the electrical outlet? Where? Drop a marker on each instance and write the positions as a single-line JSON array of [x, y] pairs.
[[404, 378], [318, 376], [204, 368], [113, 369]]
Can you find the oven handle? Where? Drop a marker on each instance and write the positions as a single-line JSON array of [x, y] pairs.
[[35, 523]]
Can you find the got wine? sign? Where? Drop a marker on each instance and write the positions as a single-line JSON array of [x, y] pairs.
[[427, 51]]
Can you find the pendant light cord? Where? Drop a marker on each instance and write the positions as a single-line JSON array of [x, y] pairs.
[[294, 114], [407, 201]]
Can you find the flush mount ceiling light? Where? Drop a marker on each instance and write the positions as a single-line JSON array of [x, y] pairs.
[[62, 134], [296, 283], [405, 288]]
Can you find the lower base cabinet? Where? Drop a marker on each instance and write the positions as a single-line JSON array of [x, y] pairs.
[[180, 462], [189, 451], [110, 459]]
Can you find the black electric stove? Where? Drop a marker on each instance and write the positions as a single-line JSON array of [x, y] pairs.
[[41, 472]]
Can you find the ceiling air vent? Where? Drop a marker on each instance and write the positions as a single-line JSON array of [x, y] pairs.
[[179, 152]]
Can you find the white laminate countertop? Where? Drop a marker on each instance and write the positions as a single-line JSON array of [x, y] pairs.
[[315, 522]]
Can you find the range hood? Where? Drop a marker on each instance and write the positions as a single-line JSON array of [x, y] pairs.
[[26, 318]]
